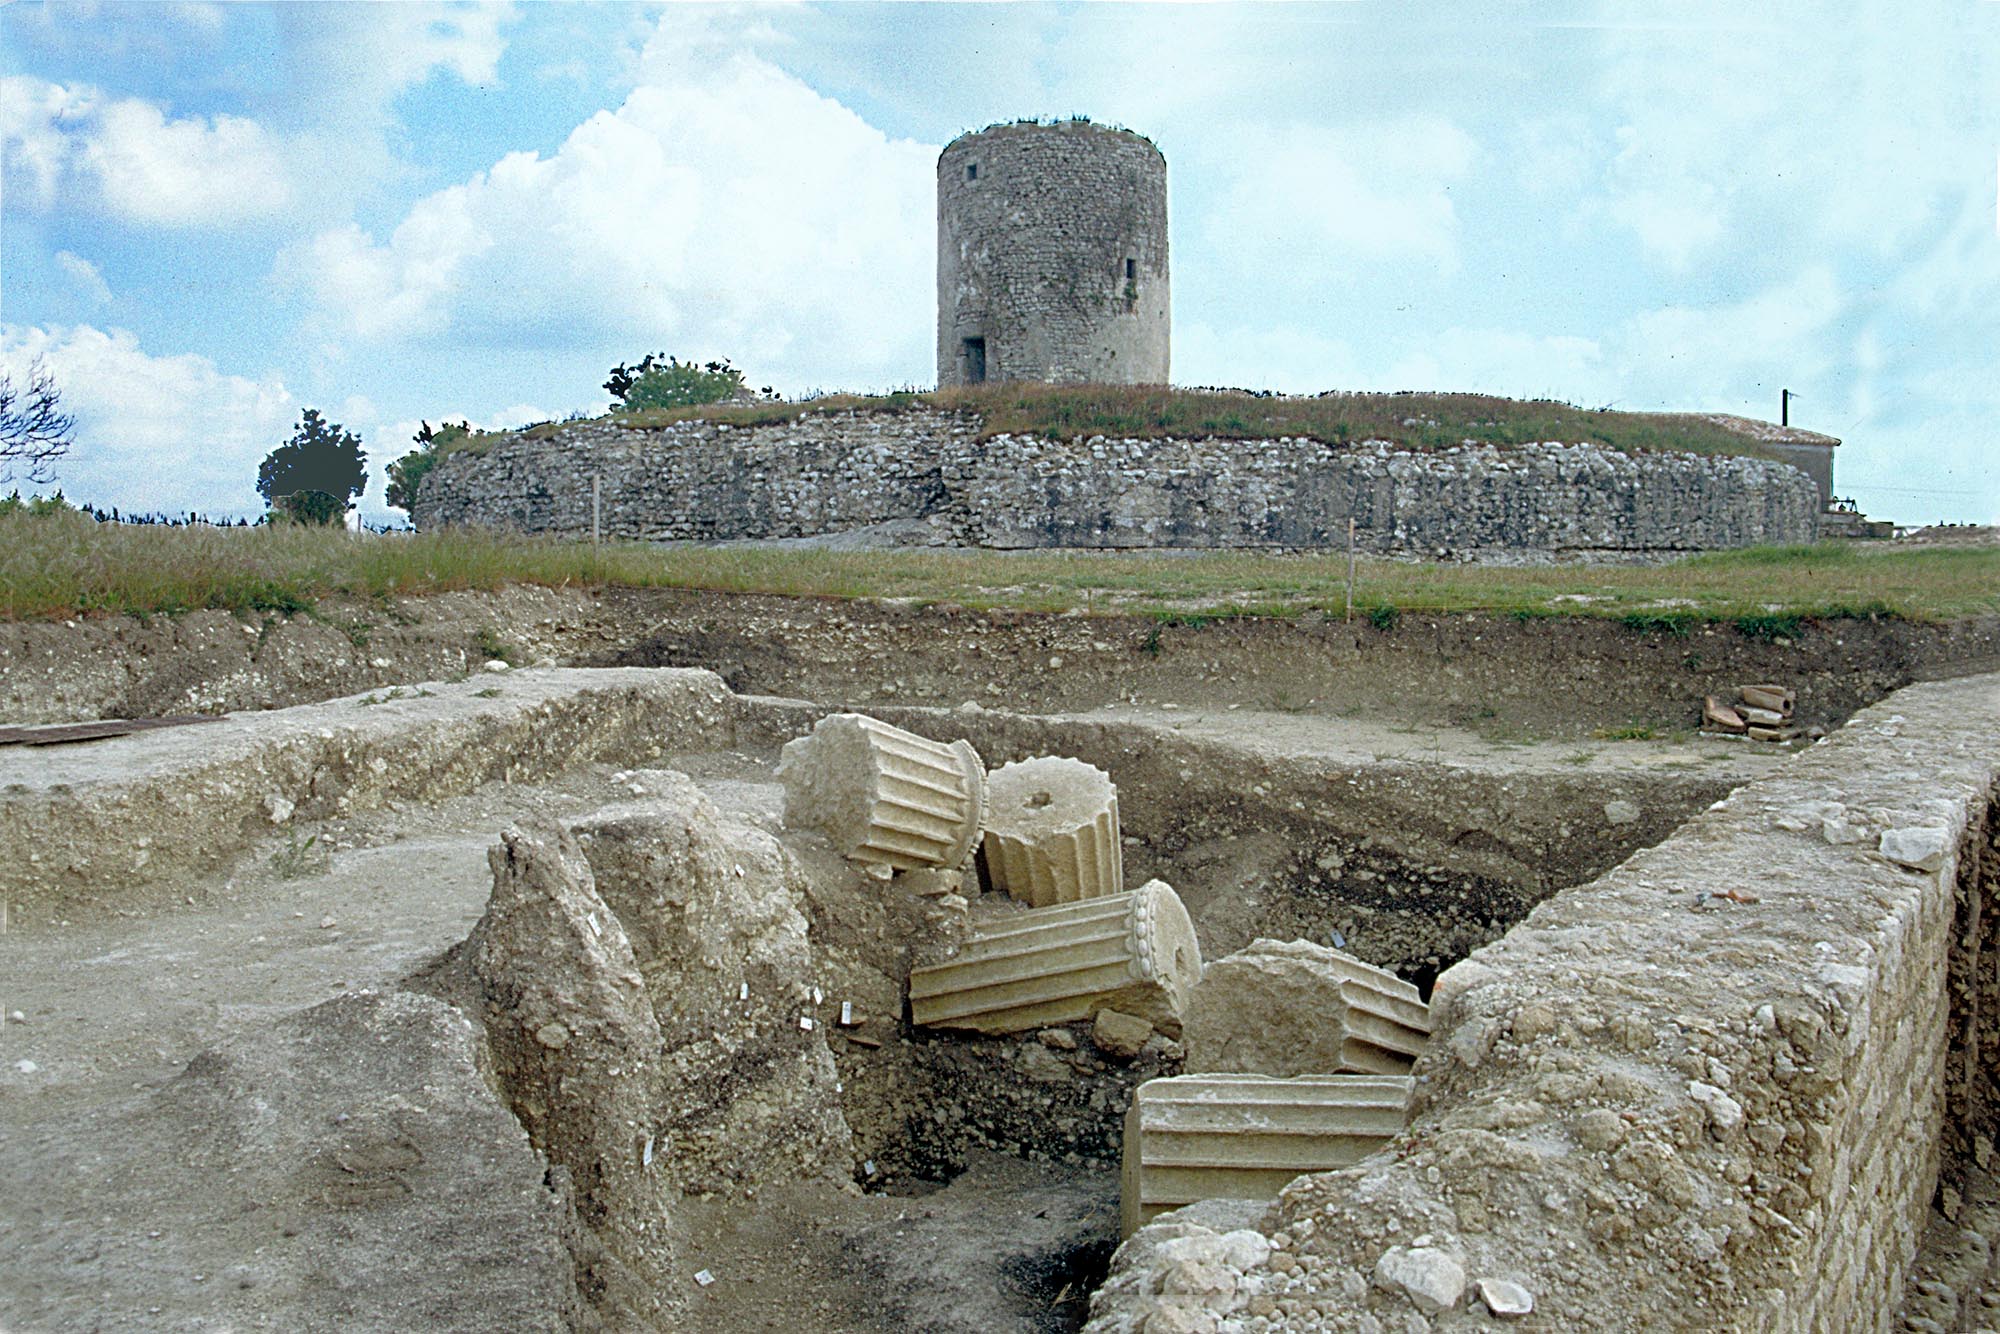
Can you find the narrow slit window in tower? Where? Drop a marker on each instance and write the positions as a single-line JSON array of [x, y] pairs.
[[1131, 270], [975, 361], [972, 171]]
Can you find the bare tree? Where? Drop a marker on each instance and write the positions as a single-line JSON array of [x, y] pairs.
[[34, 431]]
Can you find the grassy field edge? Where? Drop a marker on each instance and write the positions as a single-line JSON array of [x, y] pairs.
[[62, 565]]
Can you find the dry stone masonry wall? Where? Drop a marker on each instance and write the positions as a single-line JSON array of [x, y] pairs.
[[930, 474], [1705, 1091]]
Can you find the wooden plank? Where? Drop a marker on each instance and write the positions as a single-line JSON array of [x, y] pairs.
[[63, 733]]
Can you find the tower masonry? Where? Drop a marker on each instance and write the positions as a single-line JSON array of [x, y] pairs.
[[1052, 256]]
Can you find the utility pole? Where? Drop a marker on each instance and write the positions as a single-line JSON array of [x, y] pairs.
[[1785, 397]]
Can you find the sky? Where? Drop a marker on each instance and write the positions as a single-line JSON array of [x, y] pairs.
[[213, 216]]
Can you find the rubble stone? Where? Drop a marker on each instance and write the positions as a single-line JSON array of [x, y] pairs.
[[1923, 848], [1503, 1298], [1119, 1034], [1428, 1276], [716, 915], [1297, 1008], [548, 953]]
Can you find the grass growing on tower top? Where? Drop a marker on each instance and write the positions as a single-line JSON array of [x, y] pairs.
[[1069, 412]]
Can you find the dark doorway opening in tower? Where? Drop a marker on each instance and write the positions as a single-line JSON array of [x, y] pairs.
[[975, 361], [1131, 292], [972, 171]]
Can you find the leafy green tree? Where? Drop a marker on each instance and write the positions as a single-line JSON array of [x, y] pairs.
[[408, 471], [322, 457], [661, 381]]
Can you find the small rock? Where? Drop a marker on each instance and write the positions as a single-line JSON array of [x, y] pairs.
[[1620, 812], [16, 1017], [1119, 1034], [1922, 848], [1600, 1128], [1059, 1039], [1473, 1041], [1840, 832], [1245, 1248], [930, 881], [1533, 1020], [1504, 1298], [494, 665], [1428, 1276], [26, 1067], [553, 1035], [277, 809], [327, 923], [1724, 1110]]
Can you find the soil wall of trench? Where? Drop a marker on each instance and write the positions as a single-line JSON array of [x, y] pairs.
[[1552, 677]]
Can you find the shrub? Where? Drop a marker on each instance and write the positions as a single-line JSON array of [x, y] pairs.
[[311, 507], [39, 507], [408, 471], [321, 456], [671, 383]]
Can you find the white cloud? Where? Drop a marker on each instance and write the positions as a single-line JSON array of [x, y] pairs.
[[1474, 360], [124, 156], [89, 279], [1767, 129], [154, 432], [729, 210], [353, 60], [1356, 192], [1708, 356]]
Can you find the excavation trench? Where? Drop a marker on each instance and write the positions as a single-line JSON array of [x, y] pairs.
[[176, 901]]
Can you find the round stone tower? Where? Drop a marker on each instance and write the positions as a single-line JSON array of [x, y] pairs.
[[1052, 256]]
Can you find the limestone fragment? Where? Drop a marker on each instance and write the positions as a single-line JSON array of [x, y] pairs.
[[1245, 1137], [884, 796], [1133, 952], [575, 1048], [1297, 1008], [1119, 1034], [1922, 848], [1052, 831], [1426, 1275], [1723, 1110], [1503, 1298]]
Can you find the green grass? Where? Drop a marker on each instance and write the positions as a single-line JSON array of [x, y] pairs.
[[1070, 412], [60, 565]]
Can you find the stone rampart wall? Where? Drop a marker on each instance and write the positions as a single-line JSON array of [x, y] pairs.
[[1704, 1092], [829, 473]]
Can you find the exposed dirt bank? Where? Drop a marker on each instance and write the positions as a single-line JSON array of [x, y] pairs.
[[1543, 677]]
